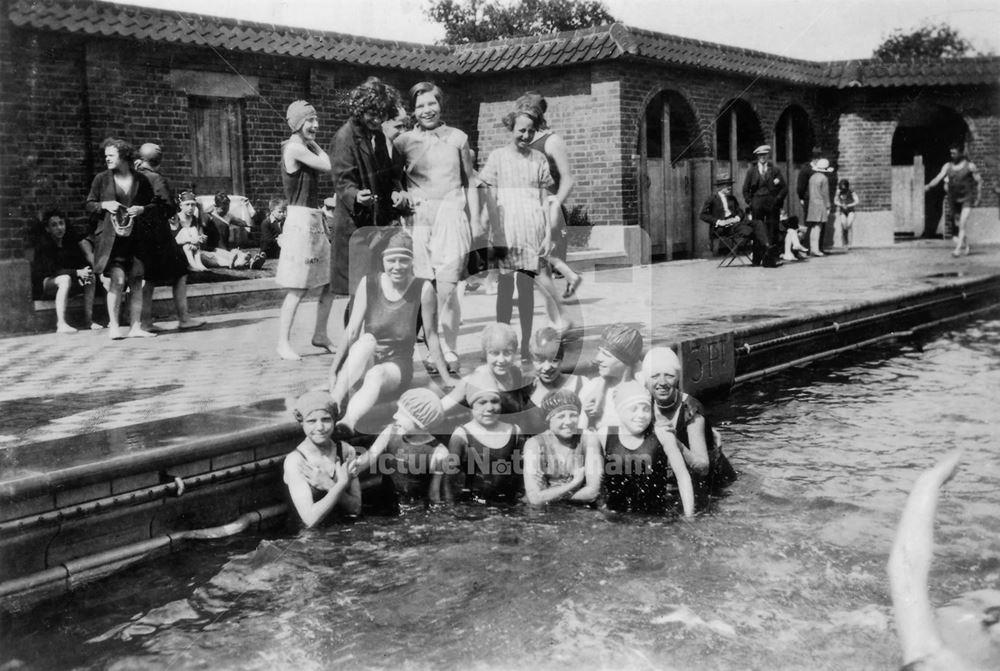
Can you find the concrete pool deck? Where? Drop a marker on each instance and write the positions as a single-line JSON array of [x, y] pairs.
[[95, 435], [57, 386]]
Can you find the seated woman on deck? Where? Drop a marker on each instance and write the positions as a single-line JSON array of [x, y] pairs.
[[638, 467], [376, 348], [321, 473], [563, 463], [683, 418]]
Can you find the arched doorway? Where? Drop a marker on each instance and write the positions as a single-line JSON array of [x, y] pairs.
[[919, 148], [737, 134], [668, 139], [793, 142]]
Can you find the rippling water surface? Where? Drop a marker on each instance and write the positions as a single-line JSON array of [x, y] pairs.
[[786, 572]]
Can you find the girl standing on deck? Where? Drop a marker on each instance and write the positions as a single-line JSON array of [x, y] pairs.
[[519, 179], [439, 171], [305, 244], [846, 201]]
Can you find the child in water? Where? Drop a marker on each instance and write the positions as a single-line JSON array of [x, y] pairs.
[[321, 474], [637, 466], [416, 458], [487, 448], [563, 463], [500, 351]]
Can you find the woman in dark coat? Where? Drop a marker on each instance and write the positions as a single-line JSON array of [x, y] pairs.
[[366, 183], [127, 205]]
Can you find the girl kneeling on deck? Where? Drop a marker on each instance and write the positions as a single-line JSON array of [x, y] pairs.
[[321, 474]]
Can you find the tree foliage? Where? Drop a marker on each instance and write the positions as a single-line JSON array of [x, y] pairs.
[[467, 21], [929, 41]]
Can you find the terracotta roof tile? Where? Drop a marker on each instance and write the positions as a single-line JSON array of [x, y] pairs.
[[599, 43]]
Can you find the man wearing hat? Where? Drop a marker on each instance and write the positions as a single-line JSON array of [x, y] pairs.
[[764, 191], [723, 212]]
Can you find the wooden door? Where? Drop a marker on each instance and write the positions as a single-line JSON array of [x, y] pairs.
[[680, 222], [216, 145], [908, 197], [656, 211]]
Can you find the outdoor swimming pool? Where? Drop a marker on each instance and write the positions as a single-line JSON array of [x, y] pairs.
[[787, 572]]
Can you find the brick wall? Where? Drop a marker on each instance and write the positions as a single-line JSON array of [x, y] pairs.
[[868, 118], [62, 94]]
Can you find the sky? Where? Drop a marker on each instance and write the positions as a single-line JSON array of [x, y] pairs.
[[810, 29]]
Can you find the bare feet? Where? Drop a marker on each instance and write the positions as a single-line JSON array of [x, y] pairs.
[[150, 327], [286, 352], [139, 332], [323, 343], [190, 325], [65, 328], [571, 285], [115, 332], [94, 326]]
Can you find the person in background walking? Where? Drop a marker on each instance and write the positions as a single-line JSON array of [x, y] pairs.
[[964, 186], [305, 251]]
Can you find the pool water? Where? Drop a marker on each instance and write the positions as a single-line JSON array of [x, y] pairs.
[[785, 572]]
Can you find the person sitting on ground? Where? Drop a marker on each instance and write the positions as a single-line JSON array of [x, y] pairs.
[[794, 249], [547, 351], [197, 240], [270, 227], [679, 416], [637, 465], [485, 451], [819, 205], [619, 351], [234, 232], [846, 202], [376, 348], [415, 460], [63, 265], [500, 349], [321, 473], [963, 635], [564, 462], [723, 212]]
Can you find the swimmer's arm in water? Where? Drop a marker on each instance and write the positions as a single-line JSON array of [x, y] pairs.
[[909, 567], [696, 452], [369, 459], [684, 487], [594, 469]]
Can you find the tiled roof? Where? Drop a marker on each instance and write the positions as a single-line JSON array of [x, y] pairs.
[[601, 43], [111, 20], [937, 72]]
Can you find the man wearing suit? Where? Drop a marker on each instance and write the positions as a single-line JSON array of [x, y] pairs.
[[764, 191], [723, 212]]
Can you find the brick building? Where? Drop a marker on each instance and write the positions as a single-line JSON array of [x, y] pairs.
[[648, 118]]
